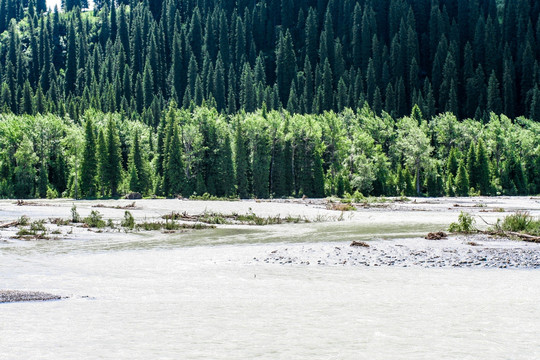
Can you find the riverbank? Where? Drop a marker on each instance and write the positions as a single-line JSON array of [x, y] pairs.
[[305, 231], [469, 251]]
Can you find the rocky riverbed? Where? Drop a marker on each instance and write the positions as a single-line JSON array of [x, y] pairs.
[[8, 296], [478, 251]]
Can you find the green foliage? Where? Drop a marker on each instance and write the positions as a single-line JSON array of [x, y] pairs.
[[89, 165], [462, 181], [519, 221], [113, 166], [75, 217], [273, 154], [464, 225], [94, 220], [129, 221]]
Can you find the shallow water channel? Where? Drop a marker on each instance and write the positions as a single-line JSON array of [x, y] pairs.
[[201, 295]]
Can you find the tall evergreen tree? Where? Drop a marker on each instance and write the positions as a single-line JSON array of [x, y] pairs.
[[71, 62], [482, 166], [462, 180], [175, 165], [89, 166], [113, 169], [241, 162]]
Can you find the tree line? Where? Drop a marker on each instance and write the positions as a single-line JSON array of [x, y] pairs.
[[267, 153], [468, 57]]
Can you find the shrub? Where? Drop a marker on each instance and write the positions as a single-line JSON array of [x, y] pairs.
[[95, 219], [129, 221], [464, 225], [75, 217], [51, 193], [520, 221]]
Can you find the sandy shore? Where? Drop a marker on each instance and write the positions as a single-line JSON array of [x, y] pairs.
[[8, 296]]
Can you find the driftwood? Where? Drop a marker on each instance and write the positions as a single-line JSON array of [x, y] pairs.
[[9, 224], [181, 216], [524, 237], [359, 244], [436, 235]]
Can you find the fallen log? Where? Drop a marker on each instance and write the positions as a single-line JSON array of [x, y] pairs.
[[9, 224], [524, 237], [359, 244]]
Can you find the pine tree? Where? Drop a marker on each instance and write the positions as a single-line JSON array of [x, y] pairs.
[[327, 102], [462, 180], [261, 166], [225, 183], [285, 65], [452, 163], [472, 171], [89, 166], [71, 62], [102, 159], [139, 179], [148, 85], [318, 175], [241, 162], [175, 165], [482, 166], [219, 84], [494, 102], [113, 168], [27, 101]]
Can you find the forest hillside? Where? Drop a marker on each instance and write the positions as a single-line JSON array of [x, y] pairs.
[[269, 98]]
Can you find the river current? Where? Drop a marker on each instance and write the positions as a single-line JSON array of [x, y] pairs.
[[152, 297]]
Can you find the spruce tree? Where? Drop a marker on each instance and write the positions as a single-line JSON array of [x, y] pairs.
[[261, 166], [139, 180], [71, 62], [318, 175], [285, 65], [113, 168], [175, 165], [471, 166], [225, 183], [482, 167], [102, 159], [462, 180], [452, 163], [241, 162], [89, 166]]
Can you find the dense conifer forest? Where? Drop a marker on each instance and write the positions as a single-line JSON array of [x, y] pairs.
[[269, 98]]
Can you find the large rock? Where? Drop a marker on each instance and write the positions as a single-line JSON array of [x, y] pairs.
[[133, 196]]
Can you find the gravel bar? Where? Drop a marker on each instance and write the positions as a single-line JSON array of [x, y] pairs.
[[8, 296], [460, 252]]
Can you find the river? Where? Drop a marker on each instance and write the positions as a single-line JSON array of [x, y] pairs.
[[183, 296]]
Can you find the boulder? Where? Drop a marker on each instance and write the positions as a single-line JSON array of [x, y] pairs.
[[133, 196]]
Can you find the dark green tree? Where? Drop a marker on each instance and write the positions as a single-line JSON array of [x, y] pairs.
[[89, 166], [462, 180], [113, 169]]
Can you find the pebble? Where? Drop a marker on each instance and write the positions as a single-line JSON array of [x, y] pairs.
[[503, 254]]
